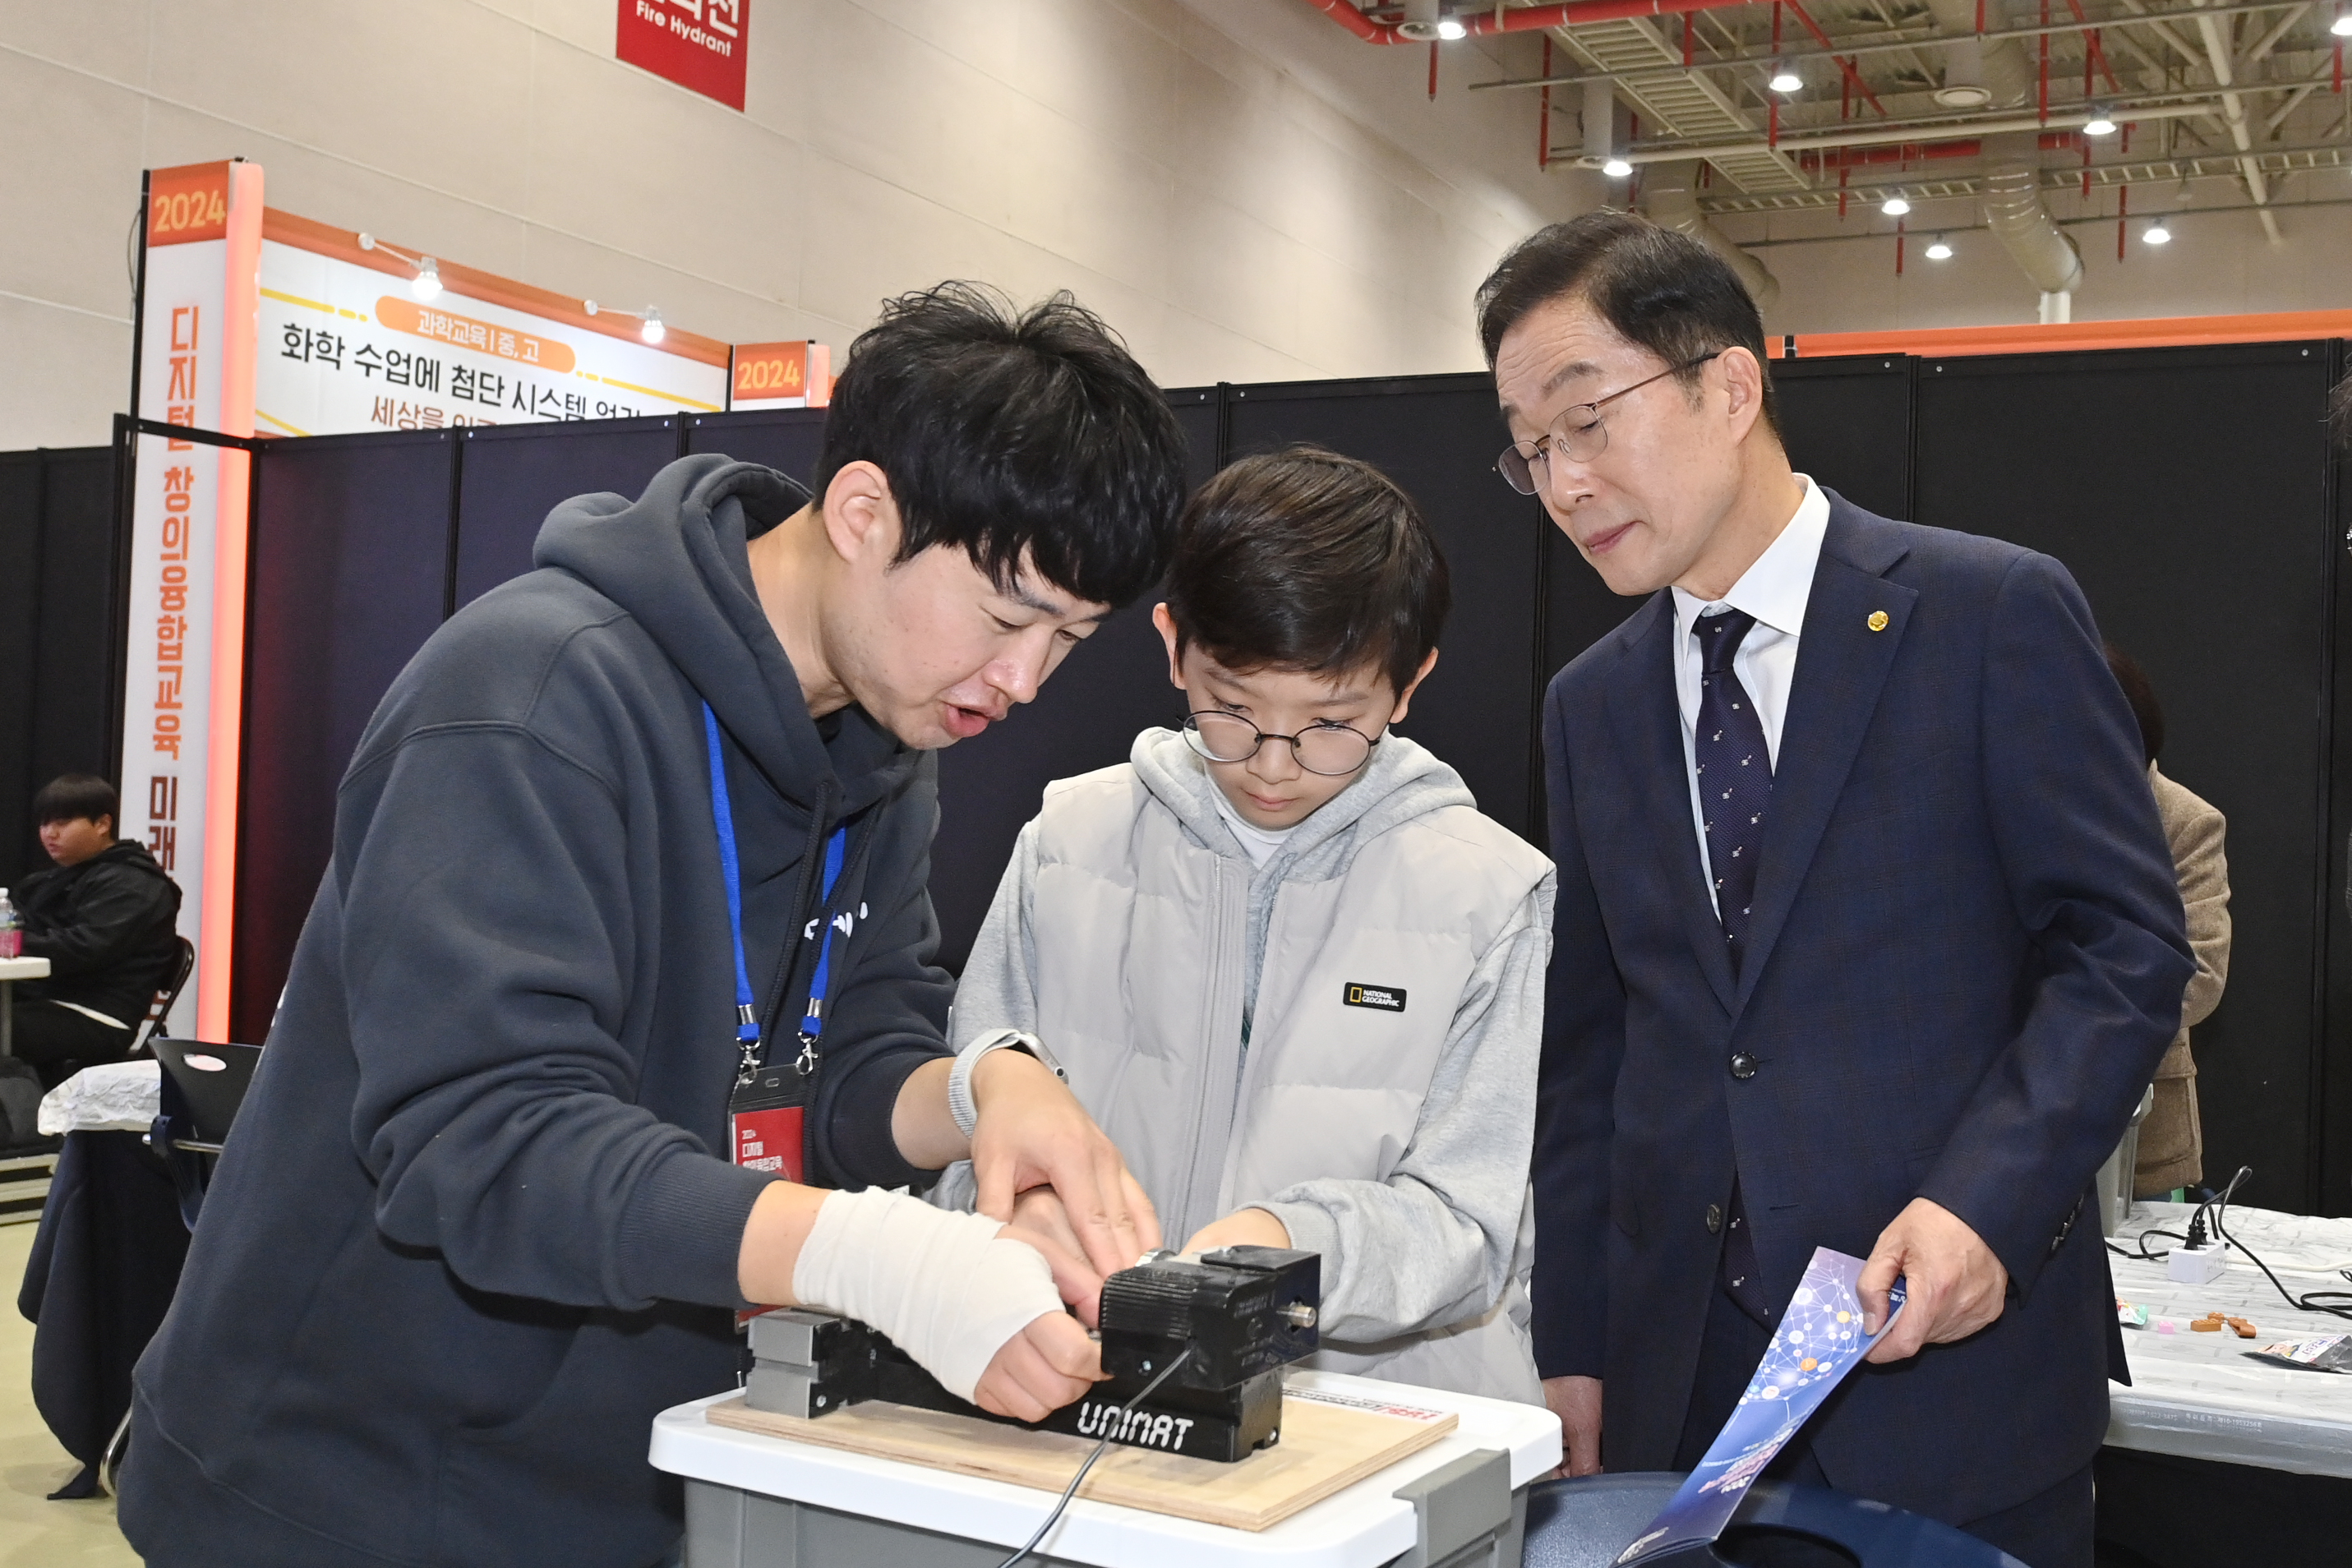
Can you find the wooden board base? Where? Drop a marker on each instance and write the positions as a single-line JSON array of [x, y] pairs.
[[1325, 1446]]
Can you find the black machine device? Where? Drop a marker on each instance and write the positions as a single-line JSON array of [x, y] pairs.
[[1235, 1319]]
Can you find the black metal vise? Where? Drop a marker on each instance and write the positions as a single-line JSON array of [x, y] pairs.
[[1244, 1314]]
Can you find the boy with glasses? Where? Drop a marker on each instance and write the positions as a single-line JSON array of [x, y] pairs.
[[1286, 964]]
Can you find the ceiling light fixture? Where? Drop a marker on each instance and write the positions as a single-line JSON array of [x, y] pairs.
[[2342, 27], [1937, 251], [2099, 124], [1785, 78], [427, 284], [1896, 207], [1617, 168], [1449, 30], [2157, 233], [653, 332]]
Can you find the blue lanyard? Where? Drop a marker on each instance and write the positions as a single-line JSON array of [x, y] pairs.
[[836, 848]]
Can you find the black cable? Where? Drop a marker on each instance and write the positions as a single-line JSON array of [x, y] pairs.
[[1072, 1489], [2311, 1300]]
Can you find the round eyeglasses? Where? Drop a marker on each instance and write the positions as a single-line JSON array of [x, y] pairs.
[[1330, 749], [1580, 434]]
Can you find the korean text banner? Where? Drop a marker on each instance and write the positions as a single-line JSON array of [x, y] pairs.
[[346, 346], [697, 44], [187, 556]]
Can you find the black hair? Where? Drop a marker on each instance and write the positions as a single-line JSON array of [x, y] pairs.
[[1013, 433], [1662, 290], [1304, 560], [2141, 695], [85, 795]]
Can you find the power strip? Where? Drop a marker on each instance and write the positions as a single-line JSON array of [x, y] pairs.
[[2197, 1265]]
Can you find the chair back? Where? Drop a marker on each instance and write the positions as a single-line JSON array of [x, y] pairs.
[[183, 964], [210, 1081], [202, 1086]]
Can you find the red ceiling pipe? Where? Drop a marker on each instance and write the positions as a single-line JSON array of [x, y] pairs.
[[1522, 21], [1852, 76]]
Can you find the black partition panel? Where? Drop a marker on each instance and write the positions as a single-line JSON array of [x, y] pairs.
[[350, 547], [1847, 423], [1437, 437], [785, 439], [2187, 491], [514, 475], [61, 666]]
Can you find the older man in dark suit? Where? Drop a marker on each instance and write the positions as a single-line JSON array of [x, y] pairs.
[[1867, 936]]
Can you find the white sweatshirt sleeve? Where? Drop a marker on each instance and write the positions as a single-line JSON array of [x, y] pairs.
[[1434, 1244]]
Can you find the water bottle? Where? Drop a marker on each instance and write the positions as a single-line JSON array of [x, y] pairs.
[[11, 930]]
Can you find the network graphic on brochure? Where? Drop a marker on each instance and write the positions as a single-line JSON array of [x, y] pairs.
[[1820, 1337]]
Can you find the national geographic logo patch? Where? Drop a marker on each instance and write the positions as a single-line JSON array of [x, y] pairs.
[[1387, 998]]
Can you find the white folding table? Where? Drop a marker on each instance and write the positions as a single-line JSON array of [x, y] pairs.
[[11, 970], [757, 1501]]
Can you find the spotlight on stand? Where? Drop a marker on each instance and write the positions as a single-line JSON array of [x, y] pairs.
[[653, 332], [2101, 124], [2157, 233], [1896, 207], [427, 284], [1617, 169], [1784, 78], [1939, 250]]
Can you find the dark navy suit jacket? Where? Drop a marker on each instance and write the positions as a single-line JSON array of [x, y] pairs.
[[1967, 957]]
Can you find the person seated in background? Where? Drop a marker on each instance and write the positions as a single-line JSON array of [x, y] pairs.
[[2172, 1138], [105, 916], [1284, 962]]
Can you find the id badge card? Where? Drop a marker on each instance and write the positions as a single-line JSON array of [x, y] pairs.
[[767, 1123]]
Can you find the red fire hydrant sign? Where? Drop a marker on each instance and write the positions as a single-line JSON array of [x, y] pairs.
[[697, 44]]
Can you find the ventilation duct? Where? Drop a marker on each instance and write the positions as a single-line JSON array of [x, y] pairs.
[[1670, 200], [2013, 211], [1979, 74]]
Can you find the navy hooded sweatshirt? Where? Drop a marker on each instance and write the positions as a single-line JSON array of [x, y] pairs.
[[475, 1226]]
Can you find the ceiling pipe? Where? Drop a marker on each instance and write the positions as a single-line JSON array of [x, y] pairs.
[[1914, 135], [2233, 114], [1853, 46], [1978, 73], [2014, 212], [1530, 19], [1670, 200]]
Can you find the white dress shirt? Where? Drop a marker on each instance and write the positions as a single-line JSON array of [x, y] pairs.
[[1774, 590]]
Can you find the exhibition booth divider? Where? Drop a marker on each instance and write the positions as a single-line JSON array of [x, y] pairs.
[[2189, 490]]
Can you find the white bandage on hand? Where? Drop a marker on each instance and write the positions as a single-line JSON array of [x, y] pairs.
[[940, 1284]]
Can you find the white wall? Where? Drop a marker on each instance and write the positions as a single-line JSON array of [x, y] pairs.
[[1246, 191]]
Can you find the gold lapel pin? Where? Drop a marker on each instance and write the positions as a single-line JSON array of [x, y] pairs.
[[1877, 621]]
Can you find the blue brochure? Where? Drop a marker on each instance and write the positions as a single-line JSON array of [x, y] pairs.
[[1818, 1341]]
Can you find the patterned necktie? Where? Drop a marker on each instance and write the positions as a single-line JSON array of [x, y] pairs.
[[1735, 776], [1735, 787]]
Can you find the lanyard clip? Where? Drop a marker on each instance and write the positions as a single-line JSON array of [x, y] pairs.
[[805, 1063]]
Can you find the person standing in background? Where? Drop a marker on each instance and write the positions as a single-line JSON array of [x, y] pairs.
[[2171, 1138]]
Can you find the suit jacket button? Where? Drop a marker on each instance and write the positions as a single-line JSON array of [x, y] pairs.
[[1714, 1218], [1743, 1065]]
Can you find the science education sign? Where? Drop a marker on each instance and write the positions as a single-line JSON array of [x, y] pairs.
[[697, 44], [346, 346], [187, 552], [248, 318]]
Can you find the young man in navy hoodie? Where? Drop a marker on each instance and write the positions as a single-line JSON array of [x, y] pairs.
[[636, 847]]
